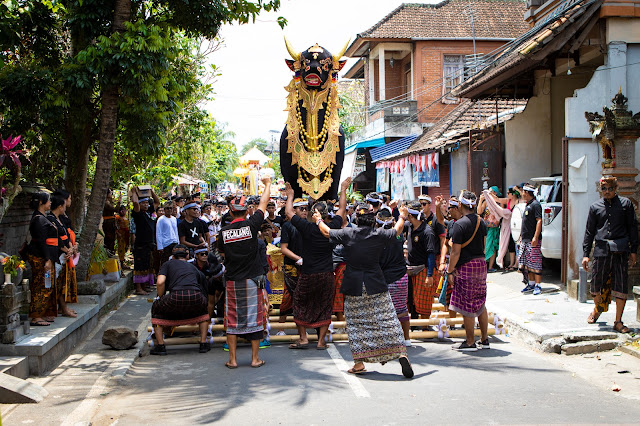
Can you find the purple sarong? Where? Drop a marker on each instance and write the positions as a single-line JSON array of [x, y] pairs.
[[470, 288]]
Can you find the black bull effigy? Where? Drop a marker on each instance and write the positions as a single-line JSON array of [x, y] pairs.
[[312, 143]]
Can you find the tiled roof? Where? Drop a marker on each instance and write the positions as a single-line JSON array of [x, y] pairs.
[[451, 19], [466, 116], [533, 46]]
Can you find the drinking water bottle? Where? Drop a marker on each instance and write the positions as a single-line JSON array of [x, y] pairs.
[[47, 279]]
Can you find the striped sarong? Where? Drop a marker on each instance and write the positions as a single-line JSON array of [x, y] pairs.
[[469, 288], [180, 307], [338, 298], [422, 294], [530, 257], [399, 293], [244, 307]]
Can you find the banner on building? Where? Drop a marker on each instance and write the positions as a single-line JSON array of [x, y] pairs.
[[382, 180], [426, 170], [402, 185]]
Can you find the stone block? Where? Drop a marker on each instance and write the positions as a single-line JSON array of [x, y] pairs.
[[12, 335], [120, 337], [589, 346], [636, 296], [572, 289], [18, 391], [91, 287], [583, 336], [553, 345]]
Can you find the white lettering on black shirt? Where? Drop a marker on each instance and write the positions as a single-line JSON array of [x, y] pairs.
[[235, 235]]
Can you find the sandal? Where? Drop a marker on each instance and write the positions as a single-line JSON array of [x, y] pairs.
[[39, 324], [298, 345], [230, 366], [260, 364], [353, 370], [619, 327], [593, 317]]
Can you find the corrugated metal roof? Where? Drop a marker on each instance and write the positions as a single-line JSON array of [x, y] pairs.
[[391, 148]]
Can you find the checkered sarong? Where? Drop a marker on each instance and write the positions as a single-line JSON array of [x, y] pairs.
[[423, 294], [244, 307], [180, 307], [338, 298], [469, 288], [530, 257]]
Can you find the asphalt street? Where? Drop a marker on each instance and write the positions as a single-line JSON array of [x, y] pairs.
[[506, 384]]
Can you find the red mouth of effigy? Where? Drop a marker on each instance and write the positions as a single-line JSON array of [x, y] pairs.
[[312, 80]]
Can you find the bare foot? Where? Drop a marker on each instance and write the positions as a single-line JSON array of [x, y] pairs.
[[69, 313], [49, 319], [141, 293]]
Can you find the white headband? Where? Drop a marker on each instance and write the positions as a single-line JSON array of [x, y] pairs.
[[412, 211], [467, 202], [384, 223], [528, 188], [424, 197], [453, 203]]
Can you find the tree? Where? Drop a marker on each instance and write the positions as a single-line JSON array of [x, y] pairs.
[[259, 143]]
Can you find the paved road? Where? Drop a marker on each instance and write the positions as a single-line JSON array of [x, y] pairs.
[[506, 384]]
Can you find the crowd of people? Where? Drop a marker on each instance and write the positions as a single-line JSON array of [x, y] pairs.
[[374, 263]]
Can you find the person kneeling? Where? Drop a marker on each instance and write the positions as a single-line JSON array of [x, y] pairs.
[[186, 301]]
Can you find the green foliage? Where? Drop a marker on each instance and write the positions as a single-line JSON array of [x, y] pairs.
[[259, 143]]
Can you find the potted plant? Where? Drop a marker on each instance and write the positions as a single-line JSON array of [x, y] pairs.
[[12, 266]]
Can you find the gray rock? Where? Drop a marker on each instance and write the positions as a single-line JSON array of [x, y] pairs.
[[91, 287], [583, 336], [120, 337], [589, 346], [553, 345]]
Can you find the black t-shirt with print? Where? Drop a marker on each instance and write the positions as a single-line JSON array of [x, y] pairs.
[[192, 231], [239, 243], [463, 230], [316, 248], [532, 212], [421, 242]]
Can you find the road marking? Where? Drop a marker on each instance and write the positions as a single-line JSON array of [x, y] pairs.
[[84, 412], [356, 386]]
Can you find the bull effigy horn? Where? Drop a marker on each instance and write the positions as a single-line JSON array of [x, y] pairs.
[[292, 52], [341, 54]]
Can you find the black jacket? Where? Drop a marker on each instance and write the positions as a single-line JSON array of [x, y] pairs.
[[610, 220]]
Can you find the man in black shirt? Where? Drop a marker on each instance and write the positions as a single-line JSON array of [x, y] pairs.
[[208, 264], [191, 230], [185, 303], [238, 244], [423, 246], [612, 224], [144, 244], [271, 217], [291, 247], [531, 236]]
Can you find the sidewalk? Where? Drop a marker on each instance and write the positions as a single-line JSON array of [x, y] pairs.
[[535, 319]]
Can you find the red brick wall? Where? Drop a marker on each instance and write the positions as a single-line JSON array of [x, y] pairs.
[[428, 72]]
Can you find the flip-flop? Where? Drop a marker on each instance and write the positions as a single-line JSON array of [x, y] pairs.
[[298, 345], [623, 329], [39, 324], [230, 367], [359, 371], [407, 371], [262, 362], [593, 318], [321, 348]]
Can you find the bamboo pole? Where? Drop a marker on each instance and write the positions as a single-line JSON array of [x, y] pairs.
[[173, 341], [336, 324]]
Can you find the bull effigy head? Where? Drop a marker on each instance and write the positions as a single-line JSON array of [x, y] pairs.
[[313, 131], [315, 65]]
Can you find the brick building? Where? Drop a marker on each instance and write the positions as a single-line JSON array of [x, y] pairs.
[[413, 57]]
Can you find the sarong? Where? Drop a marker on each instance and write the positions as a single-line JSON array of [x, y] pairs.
[[109, 229], [67, 284], [338, 298], [399, 291], [142, 264], [244, 309], [422, 294], [313, 300], [290, 283], [469, 288], [493, 240], [610, 279], [180, 307], [374, 331], [43, 300], [123, 243], [530, 257]]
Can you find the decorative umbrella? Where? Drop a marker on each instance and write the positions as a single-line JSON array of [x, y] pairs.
[[255, 156], [240, 172]]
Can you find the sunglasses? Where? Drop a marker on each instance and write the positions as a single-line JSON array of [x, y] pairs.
[[607, 188], [202, 254], [425, 203], [451, 208], [303, 209]]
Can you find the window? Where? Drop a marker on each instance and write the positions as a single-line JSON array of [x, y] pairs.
[[454, 73]]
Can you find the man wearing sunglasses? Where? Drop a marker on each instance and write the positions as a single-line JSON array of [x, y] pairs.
[[612, 224], [291, 247]]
